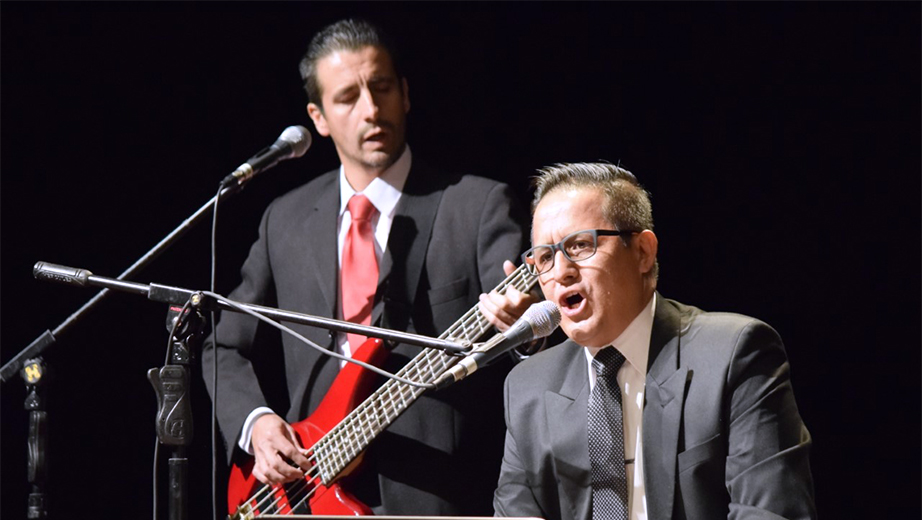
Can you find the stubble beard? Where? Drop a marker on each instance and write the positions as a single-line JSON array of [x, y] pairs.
[[382, 160]]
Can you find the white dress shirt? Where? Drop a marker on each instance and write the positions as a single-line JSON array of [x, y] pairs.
[[634, 344], [384, 193]]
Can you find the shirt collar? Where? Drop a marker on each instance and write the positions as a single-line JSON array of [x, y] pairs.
[[384, 191], [634, 342]]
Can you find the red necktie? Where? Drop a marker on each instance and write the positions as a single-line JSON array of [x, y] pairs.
[[359, 273]]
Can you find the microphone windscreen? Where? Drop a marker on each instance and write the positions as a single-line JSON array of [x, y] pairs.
[[298, 137], [544, 317]]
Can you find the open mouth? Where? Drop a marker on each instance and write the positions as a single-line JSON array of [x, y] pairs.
[[573, 300]]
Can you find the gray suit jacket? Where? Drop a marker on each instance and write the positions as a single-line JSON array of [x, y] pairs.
[[722, 437], [449, 237]]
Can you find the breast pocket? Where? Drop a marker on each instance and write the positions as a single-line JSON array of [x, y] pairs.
[[448, 303], [448, 292], [712, 448]]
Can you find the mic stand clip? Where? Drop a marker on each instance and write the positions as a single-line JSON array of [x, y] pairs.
[[172, 385]]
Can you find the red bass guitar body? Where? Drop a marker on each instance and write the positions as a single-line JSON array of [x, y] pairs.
[[353, 385]]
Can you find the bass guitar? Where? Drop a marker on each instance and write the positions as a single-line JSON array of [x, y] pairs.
[[344, 424]]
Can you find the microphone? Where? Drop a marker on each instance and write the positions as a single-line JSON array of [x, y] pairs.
[[294, 141], [538, 321], [61, 274]]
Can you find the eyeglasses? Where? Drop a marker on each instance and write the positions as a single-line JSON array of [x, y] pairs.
[[576, 247]]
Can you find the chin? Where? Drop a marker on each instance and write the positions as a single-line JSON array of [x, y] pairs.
[[380, 159], [580, 335]]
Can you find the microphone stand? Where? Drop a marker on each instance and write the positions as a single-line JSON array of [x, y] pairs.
[[171, 382], [29, 363]]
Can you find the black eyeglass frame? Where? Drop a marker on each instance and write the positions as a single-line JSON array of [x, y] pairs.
[[559, 246]]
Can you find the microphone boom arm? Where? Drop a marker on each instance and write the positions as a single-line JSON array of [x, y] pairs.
[[178, 296]]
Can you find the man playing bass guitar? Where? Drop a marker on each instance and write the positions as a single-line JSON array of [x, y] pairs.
[[385, 240]]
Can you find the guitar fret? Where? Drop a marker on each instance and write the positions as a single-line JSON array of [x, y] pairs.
[[385, 411], [431, 368], [452, 331], [374, 419], [403, 398], [351, 435]]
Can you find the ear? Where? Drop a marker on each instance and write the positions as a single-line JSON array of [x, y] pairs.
[[647, 245], [406, 96], [320, 122]]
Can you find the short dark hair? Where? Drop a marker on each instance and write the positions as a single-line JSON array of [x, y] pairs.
[[350, 35], [627, 203]]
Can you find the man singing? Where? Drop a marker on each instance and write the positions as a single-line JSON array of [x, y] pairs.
[[652, 409]]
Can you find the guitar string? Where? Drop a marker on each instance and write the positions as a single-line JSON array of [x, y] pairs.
[[272, 492], [342, 429], [480, 323], [520, 279], [378, 427], [412, 370], [354, 444], [303, 484]]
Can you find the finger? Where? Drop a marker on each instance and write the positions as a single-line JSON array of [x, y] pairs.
[[270, 446], [296, 453], [278, 469], [260, 475], [489, 309], [502, 308], [279, 473], [516, 299], [293, 459], [286, 472], [265, 473], [508, 267], [273, 460]]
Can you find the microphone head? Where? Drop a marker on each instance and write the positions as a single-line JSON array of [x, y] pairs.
[[543, 317], [298, 137]]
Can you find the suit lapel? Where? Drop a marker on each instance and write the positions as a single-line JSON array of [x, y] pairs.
[[405, 254], [319, 228], [565, 409], [662, 416]]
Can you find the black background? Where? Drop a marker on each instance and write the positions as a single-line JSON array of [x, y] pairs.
[[780, 141]]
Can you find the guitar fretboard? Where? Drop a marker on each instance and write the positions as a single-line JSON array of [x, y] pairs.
[[343, 443]]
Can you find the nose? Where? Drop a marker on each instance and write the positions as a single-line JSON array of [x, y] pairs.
[[369, 105], [564, 268]]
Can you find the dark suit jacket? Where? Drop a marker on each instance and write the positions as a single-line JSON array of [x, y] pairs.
[[449, 237], [722, 437]]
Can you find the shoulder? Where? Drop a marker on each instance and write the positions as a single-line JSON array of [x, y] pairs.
[[304, 197], [722, 338], [477, 190], [474, 189], [730, 328], [483, 202], [695, 324], [547, 367]]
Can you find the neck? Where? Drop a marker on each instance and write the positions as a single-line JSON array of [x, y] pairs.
[[359, 174], [360, 177]]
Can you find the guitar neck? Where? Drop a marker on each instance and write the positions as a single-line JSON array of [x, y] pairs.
[[335, 450]]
